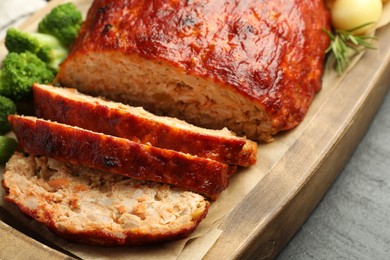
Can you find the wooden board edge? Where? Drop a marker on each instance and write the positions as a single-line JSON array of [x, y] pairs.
[[21, 246], [246, 233]]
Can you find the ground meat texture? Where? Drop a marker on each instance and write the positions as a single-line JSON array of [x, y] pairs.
[[99, 208], [253, 66], [120, 155], [71, 107]]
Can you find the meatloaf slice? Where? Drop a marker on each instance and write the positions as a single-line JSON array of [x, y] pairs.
[[100, 208], [253, 66], [119, 155], [70, 107]]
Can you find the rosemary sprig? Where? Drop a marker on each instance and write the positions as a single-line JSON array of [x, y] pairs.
[[343, 42]]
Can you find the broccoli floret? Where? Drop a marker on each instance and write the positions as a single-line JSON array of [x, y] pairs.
[[19, 72], [7, 107], [63, 22], [8, 146], [47, 47]]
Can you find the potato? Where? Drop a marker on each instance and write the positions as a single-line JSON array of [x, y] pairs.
[[349, 14]]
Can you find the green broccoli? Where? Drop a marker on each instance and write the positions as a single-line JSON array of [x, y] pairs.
[[7, 107], [8, 146], [19, 72], [47, 47], [63, 22]]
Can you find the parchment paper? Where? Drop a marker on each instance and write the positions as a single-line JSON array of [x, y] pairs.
[[197, 245]]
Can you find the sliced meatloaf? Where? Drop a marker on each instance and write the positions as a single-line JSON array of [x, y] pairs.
[[70, 107], [253, 66], [100, 208], [120, 155]]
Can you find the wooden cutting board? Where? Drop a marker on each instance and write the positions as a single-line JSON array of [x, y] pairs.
[[266, 218]]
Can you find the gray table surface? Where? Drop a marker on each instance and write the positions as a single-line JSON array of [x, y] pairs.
[[353, 219]]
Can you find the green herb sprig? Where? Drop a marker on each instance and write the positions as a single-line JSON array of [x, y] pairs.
[[343, 42]]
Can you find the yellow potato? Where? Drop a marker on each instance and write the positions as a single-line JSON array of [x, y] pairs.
[[349, 14]]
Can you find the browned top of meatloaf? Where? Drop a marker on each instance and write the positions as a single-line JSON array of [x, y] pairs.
[[269, 51], [97, 207]]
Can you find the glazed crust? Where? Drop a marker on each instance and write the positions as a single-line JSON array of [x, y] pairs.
[[120, 156], [70, 107], [269, 52]]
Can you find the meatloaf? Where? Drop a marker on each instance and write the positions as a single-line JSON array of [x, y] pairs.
[[70, 107], [94, 207], [253, 66], [120, 155]]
